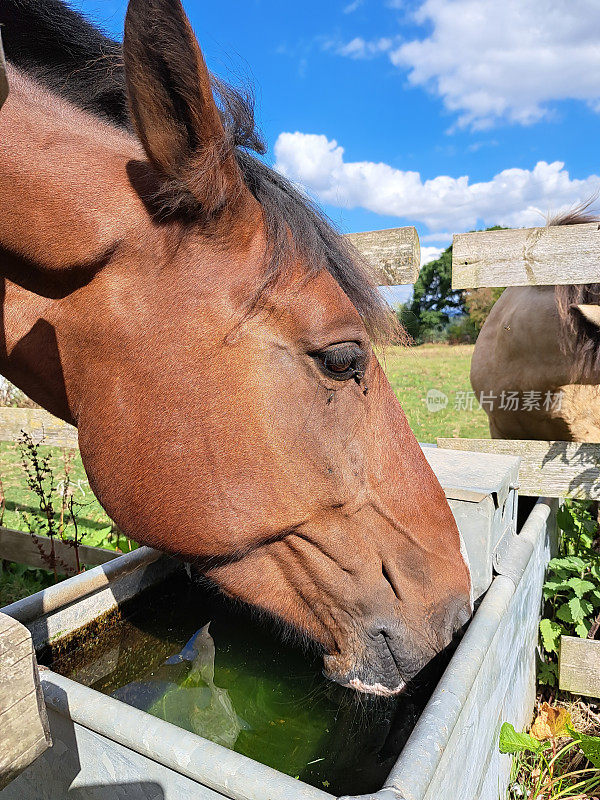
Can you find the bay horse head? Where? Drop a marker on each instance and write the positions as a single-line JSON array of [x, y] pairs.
[[210, 335]]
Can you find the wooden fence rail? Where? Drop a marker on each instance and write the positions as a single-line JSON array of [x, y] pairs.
[[39, 424], [395, 254], [527, 256], [579, 666], [36, 551], [548, 469]]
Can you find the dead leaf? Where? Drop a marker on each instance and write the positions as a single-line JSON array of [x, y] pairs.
[[550, 722]]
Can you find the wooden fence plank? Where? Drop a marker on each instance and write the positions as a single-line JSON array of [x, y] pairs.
[[395, 254], [22, 548], [527, 256], [579, 666], [548, 469], [24, 731], [39, 424], [3, 78]]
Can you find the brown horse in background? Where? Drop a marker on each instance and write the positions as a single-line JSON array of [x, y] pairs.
[[209, 335], [543, 340]]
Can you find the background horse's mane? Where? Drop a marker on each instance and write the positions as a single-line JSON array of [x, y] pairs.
[[65, 53], [579, 337]]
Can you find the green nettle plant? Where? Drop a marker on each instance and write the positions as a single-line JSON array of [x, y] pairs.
[[572, 588], [552, 761], [50, 522]]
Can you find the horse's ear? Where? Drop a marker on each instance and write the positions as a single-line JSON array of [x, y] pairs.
[[172, 104], [590, 312]]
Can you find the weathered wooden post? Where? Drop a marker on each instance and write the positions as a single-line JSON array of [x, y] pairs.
[[548, 469], [24, 731], [395, 254], [546, 256], [41, 426], [579, 666], [3, 78], [555, 254]]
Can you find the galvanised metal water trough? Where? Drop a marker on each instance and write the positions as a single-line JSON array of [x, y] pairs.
[[104, 749]]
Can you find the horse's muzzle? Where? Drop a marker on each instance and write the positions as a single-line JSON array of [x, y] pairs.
[[373, 670], [389, 655]]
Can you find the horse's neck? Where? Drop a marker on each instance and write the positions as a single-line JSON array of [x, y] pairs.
[[53, 41], [64, 188], [65, 204]]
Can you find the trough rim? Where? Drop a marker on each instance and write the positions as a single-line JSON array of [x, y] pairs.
[[77, 587], [440, 716], [235, 775], [207, 763]]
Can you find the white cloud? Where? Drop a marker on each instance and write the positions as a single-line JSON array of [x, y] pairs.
[[511, 198], [352, 7], [493, 60], [430, 254], [440, 237], [506, 58], [359, 48]]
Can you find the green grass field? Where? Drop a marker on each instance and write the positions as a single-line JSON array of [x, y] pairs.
[[412, 373], [94, 526], [21, 501]]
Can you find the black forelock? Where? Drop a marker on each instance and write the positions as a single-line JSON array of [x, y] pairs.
[[73, 58]]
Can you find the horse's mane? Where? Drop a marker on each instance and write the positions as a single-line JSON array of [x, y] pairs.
[[61, 50], [578, 336]]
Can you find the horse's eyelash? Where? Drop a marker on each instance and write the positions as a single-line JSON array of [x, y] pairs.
[[341, 355]]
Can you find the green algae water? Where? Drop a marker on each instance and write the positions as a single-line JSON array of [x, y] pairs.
[[186, 656]]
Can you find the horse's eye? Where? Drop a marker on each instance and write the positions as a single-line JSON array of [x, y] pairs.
[[341, 361]]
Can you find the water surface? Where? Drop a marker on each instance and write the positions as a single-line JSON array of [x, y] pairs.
[[184, 655]]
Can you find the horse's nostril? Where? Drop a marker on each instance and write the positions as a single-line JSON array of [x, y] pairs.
[[388, 576], [456, 619]]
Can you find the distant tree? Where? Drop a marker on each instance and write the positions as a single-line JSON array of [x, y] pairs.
[[409, 321], [479, 303], [433, 299], [461, 330], [434, 302]]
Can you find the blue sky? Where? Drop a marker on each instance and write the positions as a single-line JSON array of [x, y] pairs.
[[444, 114]]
